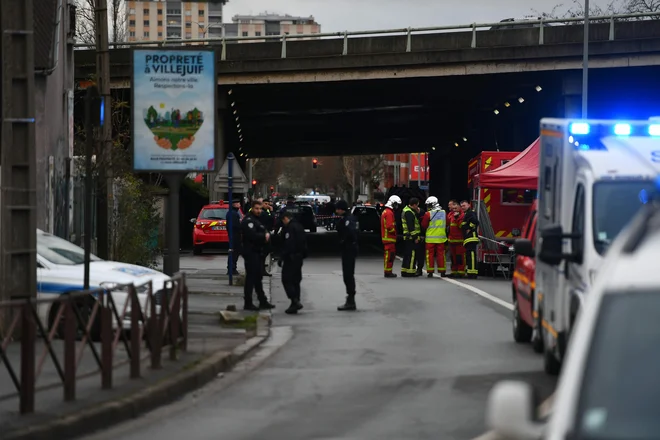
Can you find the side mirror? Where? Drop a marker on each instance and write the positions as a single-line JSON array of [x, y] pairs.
[[511, 411], [515, 232], [193, 220], [551, 245], [523, 247]]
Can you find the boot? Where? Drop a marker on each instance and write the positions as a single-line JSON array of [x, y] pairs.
[[443, 275], [265, 305], [299, 305], [430, 275], [349, 305], [293, 309], [390, 275], [250, 307]]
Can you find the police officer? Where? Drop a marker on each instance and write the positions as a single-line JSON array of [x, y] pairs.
[[294, 250], [412, 240], [469, 227], [267, 220], [348, 239], [255, 237], [236, 219]]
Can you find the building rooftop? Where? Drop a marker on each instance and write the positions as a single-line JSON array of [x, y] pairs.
[[269, 16]]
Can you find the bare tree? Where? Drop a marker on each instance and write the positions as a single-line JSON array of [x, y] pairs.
[[614, 7], [369, 168], [85, 22]]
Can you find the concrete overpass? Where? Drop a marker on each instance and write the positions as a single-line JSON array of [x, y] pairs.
[[546, 48]]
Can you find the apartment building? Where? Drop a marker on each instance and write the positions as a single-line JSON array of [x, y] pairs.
[[156, 20], [271, 24]]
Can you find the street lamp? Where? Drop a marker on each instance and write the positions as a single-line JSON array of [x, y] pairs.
[[204, 29], [585, 60]]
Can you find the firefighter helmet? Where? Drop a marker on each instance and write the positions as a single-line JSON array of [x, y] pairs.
[[432, 203], [394, 202]]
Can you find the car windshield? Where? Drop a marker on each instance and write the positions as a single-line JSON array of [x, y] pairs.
[[59, 251], [215, 213], [620, 393], [615, 203]]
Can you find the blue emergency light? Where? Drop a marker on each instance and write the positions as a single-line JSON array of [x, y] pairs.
[[579, 128], [102, 111], [622, 129], [654, 130]]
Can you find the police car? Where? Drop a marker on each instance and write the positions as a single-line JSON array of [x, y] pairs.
[[608, 388], [60, 269]]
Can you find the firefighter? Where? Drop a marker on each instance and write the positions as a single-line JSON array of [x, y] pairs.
[[348, 239], [469, 227], [434, 223], [412, 232], [456, 249], [388, 233], [294, 251], [255, 237]]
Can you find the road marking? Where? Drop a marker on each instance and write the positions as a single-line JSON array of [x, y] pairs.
[[481, 293]]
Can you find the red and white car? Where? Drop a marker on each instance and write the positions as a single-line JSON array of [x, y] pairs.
[[210, 230]]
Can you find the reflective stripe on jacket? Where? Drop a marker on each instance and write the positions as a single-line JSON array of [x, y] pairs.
[[437, 230], [469, 226]]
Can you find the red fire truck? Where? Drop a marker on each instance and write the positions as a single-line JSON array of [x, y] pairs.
[[507, 208]]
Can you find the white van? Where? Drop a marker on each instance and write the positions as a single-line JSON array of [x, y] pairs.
[[592, 173], [608, 387]]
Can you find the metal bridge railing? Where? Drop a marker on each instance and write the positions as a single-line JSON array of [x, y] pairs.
[[115, 326], [407, 32]]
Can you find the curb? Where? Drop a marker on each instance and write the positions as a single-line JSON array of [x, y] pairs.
[[191, 376]]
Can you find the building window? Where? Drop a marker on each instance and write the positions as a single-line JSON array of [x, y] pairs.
[[146, 22], [160, 22], [131, 34], [258, 34], [188, 35], [145, 11], [174, 11], [131, 22], [188, 24], [146, 33], [245, 34], [131, 11], [201, 13], [188, 12], [160, 12], [160, 34]]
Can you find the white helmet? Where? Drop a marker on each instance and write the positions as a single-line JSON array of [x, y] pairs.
[[394, 200], [432, 203]]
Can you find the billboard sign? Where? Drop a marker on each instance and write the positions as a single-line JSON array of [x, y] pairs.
[[419, 167], [173, 110]]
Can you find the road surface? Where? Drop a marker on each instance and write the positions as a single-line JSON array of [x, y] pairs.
[[415, 362]]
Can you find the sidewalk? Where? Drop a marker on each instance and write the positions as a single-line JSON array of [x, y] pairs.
[[212, 348]]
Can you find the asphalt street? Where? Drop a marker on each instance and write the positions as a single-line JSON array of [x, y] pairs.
[[416, 361]]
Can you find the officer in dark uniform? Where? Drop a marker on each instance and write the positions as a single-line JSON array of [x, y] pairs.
[[255, 237], [294, 251], [267, 220], [348, 239], [236, 218], [470, 239]]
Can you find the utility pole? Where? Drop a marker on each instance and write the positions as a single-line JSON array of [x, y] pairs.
[[585, 61], [104, 194], [18, 183]]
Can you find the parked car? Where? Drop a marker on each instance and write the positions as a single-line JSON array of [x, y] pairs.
[[367, 217], [523, 286], [210, 230], [304, 214], [608, 388], [60, 270], [518, 23]]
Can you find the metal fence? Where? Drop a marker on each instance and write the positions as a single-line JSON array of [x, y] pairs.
[[133, 318], [409, 32]]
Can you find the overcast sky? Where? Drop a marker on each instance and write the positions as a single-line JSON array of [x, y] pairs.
[[352, 15]]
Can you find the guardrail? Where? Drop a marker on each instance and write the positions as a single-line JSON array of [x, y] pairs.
[[96, 320], [408, 32]]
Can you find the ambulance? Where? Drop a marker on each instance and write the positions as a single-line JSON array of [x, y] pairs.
[[593, 175]]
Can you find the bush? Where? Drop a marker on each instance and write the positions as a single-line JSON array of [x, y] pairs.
[[135, 222]]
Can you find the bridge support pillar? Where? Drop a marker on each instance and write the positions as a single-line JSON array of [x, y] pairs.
[[572, 93], [221, 150]]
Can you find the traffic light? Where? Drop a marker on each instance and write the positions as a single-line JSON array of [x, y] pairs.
[[315, 163], [254, 182], [272, 188]]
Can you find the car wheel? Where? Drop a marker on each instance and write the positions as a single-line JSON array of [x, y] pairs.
[[522, 332], [197, 250]]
